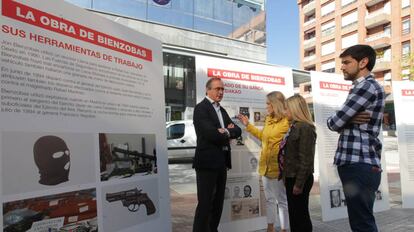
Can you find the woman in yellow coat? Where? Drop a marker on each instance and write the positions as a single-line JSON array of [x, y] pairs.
[[276, 126]]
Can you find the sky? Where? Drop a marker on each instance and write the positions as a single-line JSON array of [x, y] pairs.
[[282, 22]]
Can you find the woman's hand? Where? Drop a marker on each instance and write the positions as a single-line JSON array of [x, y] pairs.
[[243, 119]]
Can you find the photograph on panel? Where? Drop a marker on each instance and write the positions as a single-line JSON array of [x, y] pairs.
[[249, 162], [46, 160], [71, 211], [244, 209], [130, 204], [126, 155], [337, 197], [259, 116]]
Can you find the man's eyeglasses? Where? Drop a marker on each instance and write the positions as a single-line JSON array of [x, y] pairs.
[[218, 89]]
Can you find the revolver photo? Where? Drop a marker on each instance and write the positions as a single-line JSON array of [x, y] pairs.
[[132, 199]]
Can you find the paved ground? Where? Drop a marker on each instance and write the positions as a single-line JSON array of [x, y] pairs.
[[183, 200]]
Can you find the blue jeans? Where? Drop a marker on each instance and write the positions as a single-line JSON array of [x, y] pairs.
[[359, 182]]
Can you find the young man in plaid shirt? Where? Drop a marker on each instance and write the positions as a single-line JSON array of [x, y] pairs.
[[358, 122]]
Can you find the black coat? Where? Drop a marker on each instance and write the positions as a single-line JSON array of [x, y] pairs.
[[213, 148]]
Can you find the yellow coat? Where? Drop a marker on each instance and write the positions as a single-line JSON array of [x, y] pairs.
[[271, 135]]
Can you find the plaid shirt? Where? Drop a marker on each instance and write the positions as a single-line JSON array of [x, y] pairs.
[[359, 143]]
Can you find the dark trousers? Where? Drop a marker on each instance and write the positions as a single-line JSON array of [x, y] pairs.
[[360, 182], [211, 184], [299, 218]]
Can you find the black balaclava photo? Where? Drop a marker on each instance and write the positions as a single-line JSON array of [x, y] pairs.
[[52, 157]]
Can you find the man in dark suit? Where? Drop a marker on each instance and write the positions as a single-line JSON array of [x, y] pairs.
[[214, 130]]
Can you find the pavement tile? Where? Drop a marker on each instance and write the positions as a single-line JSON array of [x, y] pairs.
[[396, 219]]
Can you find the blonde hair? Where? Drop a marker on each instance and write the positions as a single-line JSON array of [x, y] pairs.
[[277, 100], [299, 109]]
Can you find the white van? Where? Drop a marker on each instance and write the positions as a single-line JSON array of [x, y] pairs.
[[181, 141]]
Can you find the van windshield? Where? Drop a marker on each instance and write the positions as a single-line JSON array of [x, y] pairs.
[[175, 131]]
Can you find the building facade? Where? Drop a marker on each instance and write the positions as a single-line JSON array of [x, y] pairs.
[[225, 28], [327, 27]]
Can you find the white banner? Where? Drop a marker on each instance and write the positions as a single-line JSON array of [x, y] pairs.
[[329, 93], [404, 101], [82, 145], [246, 86]]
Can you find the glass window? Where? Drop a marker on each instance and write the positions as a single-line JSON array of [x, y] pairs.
[[170, 16], [131, 8], [212, 26], [204, 8], [81, 3], [349, 40], [175, 131], [328, 48], [328, 8], [328, 28], [179, 82], [235, 19], [405, 3], [405, 73], [242, 15], [347, 2], [349, 18], [406, 26], [406, 49], [222, 11], [328, 66], [387, 29]]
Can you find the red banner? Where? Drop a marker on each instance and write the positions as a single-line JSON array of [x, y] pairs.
[[407, 92], [243, 76], [334, 86], [62, 26]]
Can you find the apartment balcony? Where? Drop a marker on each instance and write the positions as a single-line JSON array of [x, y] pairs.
[[309, 22], [377, 18], [309, 43], [309, 8], [308, 59], [372, 2], [382, 64], [379, 40]]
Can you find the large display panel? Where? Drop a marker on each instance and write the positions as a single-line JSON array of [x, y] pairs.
[[403, 92], [82, 143], [246, 86], [329, 92]]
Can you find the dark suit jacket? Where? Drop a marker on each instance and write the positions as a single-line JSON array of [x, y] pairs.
[[213, 148], [300, 153]]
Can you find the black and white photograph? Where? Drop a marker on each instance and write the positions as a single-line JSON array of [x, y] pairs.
[[378, 195], [244, 209], [247, 191], [227, 193], [236, 192], [249, 162], [335, 196]]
